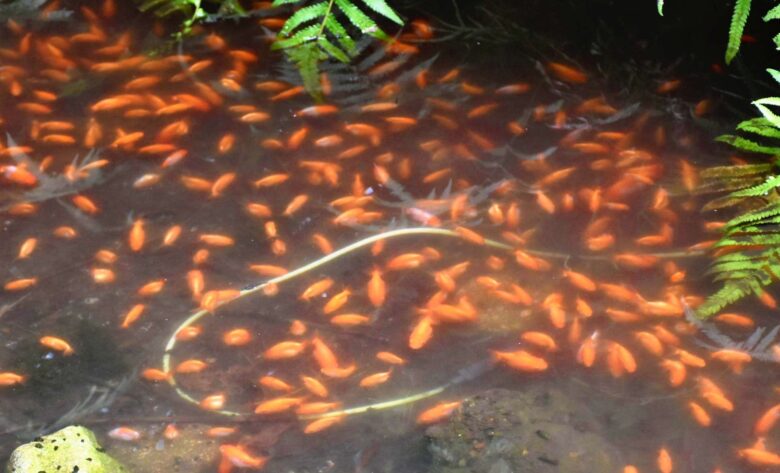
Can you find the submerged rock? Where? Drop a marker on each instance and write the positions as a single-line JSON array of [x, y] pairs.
[[533, 431], [72, 449], [191, 452]]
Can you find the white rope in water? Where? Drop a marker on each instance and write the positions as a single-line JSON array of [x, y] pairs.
[[171, 344]]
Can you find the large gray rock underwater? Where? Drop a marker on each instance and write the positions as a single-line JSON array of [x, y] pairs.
[[72, 449], [533, 431]]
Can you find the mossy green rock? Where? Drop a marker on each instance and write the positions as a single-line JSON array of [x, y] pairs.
[[72, 449]]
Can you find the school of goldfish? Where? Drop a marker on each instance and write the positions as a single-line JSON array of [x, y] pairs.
[[434, 148]]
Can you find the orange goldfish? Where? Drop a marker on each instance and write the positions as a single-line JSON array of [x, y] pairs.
[[57, 344]]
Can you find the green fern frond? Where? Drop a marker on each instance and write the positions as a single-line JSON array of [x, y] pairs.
[[773, 14], [760, 126], [756, 240], [768, 228], [333, 50], [360, 20], [304, 15], [764, 222], [337, 30], [749, 256], [762, 213], [302, 36], [761, 104], [381, 7], [738, 21], [759, 190], [775, 74], [748, 145], [751, 239], [317, 30], [731, 268], [742, 257], [306, 59], [660, 5], [730, 293], [735, 276]]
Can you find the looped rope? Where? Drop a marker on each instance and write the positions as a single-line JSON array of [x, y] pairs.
[[171, 344]]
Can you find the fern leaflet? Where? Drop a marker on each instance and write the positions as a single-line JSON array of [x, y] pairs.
[[748, 251], [762, 213], [305, 15], [760, 189], [748, 145], [730, 293], [775, 74], [761, 104], [317, 30], [381, 7], [773, 14], [759, 126], [738, 21]]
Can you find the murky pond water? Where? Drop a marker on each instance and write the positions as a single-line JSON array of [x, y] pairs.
[[432, 235]]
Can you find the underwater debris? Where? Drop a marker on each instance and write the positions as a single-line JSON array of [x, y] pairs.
[[97, 400], [493, 24], [85, 175], [426, 211], [759, 345], [31, 10]]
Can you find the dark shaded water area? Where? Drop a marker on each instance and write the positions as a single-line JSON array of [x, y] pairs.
[[467, 135]]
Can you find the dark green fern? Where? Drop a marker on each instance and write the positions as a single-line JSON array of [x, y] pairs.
[[759, 126], [316, 32], [747, 256], [738, 21], [748, 145]]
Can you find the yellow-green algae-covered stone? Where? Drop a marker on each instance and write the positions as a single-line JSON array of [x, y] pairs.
[[70, 450]]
